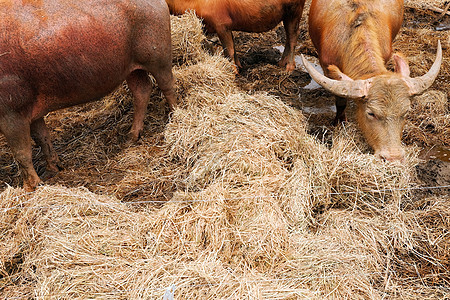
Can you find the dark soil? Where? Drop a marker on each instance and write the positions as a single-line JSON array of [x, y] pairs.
[[435, 173]]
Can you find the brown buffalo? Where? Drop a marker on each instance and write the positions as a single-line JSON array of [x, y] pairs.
[[224, 16], [60, 53], [354, 41]]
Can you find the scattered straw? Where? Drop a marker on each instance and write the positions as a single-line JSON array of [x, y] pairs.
[[255, 206]]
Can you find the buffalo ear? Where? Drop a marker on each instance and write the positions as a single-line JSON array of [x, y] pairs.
[[401, 65], [343, 88], [335, 73]]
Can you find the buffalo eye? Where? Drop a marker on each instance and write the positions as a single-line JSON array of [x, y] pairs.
[[371, 114]]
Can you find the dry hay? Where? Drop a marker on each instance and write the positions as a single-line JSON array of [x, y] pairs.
[[190, 39], [424, 4], [257, 208]]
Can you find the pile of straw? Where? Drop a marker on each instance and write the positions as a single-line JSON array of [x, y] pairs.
[[232, 198]]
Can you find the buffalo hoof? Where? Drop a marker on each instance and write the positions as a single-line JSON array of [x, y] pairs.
[[289, 66], [339, 119], [52, 170], [30, 185], [134, 137]]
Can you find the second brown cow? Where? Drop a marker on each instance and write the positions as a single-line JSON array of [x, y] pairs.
[[224, 16], [354, 41]]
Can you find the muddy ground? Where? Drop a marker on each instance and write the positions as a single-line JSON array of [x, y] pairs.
[[260, 72]]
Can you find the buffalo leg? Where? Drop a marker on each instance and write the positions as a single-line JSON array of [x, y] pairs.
[[227, 40], [141, 87], [41, 136], [164, 78], [341, 104], [292, 28], [17, 132], [291, 22]]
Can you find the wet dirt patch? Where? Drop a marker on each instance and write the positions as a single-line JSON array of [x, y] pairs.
[[439, 153], [435, 177], [434, 170]]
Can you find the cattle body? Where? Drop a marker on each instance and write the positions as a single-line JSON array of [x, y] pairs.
[[354, 41], [224, 16], [59, 53]]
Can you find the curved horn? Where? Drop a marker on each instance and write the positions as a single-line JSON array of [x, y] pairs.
[[342, 88], [419, 84]]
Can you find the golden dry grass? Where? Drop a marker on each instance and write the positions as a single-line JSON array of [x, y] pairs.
[[252, 206]]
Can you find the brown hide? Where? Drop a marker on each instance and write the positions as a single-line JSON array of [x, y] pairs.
[[355, 35], [225, 16], [60, 53], [354, 40]]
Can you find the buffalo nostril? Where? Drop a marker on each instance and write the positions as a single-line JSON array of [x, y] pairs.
[[392, 156], [383, 157]]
